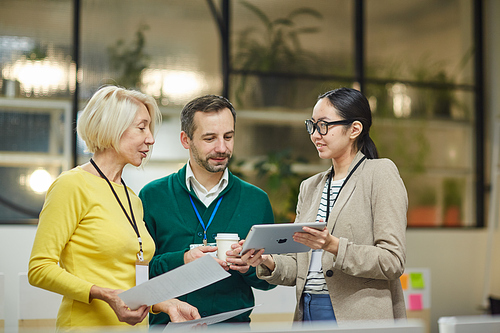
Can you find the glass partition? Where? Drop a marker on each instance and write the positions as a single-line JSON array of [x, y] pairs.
[[37, 78], [419, 78]]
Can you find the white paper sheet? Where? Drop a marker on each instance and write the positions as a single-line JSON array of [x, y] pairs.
[[217, 318], [182, 280]]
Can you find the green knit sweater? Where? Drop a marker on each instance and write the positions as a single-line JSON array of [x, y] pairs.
[[172, 222]]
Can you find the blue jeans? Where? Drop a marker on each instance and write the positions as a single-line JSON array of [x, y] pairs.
[[317, 307]]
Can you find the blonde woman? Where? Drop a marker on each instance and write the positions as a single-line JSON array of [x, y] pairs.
[[91, 239]]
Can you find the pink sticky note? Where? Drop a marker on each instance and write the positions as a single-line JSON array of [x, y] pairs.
[[415, 301]]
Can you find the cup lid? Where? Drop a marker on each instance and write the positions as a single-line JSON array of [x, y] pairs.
[[227, 236]]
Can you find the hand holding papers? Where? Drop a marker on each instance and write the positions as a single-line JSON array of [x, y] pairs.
[[206, 320], [182, 280]]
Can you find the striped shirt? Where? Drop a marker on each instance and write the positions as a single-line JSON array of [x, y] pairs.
[[315, 283]]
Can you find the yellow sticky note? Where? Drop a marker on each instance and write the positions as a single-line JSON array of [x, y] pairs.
[[417, 280], [404, 281]]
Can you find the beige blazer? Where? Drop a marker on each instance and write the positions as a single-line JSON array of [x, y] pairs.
[[369, 218]]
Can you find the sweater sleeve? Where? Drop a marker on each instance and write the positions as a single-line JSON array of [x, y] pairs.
[[250, 277], [252, 280], [165, 262], [59, 218]]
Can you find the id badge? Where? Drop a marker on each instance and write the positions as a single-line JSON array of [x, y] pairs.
[[213, 254], [141, 272], [315, 265]]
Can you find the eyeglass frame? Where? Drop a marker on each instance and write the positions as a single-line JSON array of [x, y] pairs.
[[315, 126]]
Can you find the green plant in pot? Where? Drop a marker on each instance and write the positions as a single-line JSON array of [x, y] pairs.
[[453, 197], [273, 47], [423, 210]]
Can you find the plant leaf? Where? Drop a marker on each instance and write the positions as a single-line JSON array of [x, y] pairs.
[[257, 11]]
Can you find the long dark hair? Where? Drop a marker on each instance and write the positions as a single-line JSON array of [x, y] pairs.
[[352, 104]]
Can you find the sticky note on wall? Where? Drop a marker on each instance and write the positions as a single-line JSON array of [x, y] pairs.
[[404, 281], [417, 280], [415, 302]]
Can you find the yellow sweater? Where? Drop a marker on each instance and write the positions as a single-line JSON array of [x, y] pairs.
[[84, 239]]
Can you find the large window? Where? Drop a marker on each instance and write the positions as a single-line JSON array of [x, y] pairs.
[[35, 103], [415, 60], [419, 69]]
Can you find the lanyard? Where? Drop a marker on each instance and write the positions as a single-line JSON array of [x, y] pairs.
[[330, 176], [209, 221], [140, 254]]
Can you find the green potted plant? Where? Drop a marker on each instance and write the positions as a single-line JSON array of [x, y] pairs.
[[453, 192], [273, 47], [424, 210]]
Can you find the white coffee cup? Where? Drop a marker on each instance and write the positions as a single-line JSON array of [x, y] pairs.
[[224, 242]]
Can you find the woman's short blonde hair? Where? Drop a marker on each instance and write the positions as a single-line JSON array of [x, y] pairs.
[[110, 111]]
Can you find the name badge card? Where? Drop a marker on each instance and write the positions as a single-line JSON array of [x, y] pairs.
[[141, 272]]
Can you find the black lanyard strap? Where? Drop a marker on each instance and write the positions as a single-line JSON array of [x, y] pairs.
[[132, 221], [330, 176]]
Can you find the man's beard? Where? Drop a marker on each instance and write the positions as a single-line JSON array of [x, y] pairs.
[[206, 164]]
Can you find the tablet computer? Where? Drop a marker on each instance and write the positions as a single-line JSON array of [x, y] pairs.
[[278, 238]]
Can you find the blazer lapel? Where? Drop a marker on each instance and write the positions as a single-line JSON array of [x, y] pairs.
[[346, 192], [317, 194]]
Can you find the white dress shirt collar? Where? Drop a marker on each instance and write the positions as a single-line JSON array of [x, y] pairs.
[[201, 192]]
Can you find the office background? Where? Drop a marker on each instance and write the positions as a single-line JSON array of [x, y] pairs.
[[429, 68]]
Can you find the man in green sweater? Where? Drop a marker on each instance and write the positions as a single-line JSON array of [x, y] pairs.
[[185, 210]]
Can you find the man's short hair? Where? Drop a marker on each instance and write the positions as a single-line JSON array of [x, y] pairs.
[[110, 111], [207, 103]]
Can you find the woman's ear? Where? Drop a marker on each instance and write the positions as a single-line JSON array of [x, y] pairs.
[[356, 129]]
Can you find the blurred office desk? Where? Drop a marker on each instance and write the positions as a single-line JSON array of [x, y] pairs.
[[276, 307], [424, 315], [410, 326], [469, 324]]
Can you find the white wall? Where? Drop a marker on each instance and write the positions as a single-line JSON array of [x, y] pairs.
[[15, 249], [456, 259]]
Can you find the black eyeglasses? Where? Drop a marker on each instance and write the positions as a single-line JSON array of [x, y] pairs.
[[322, 126]]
